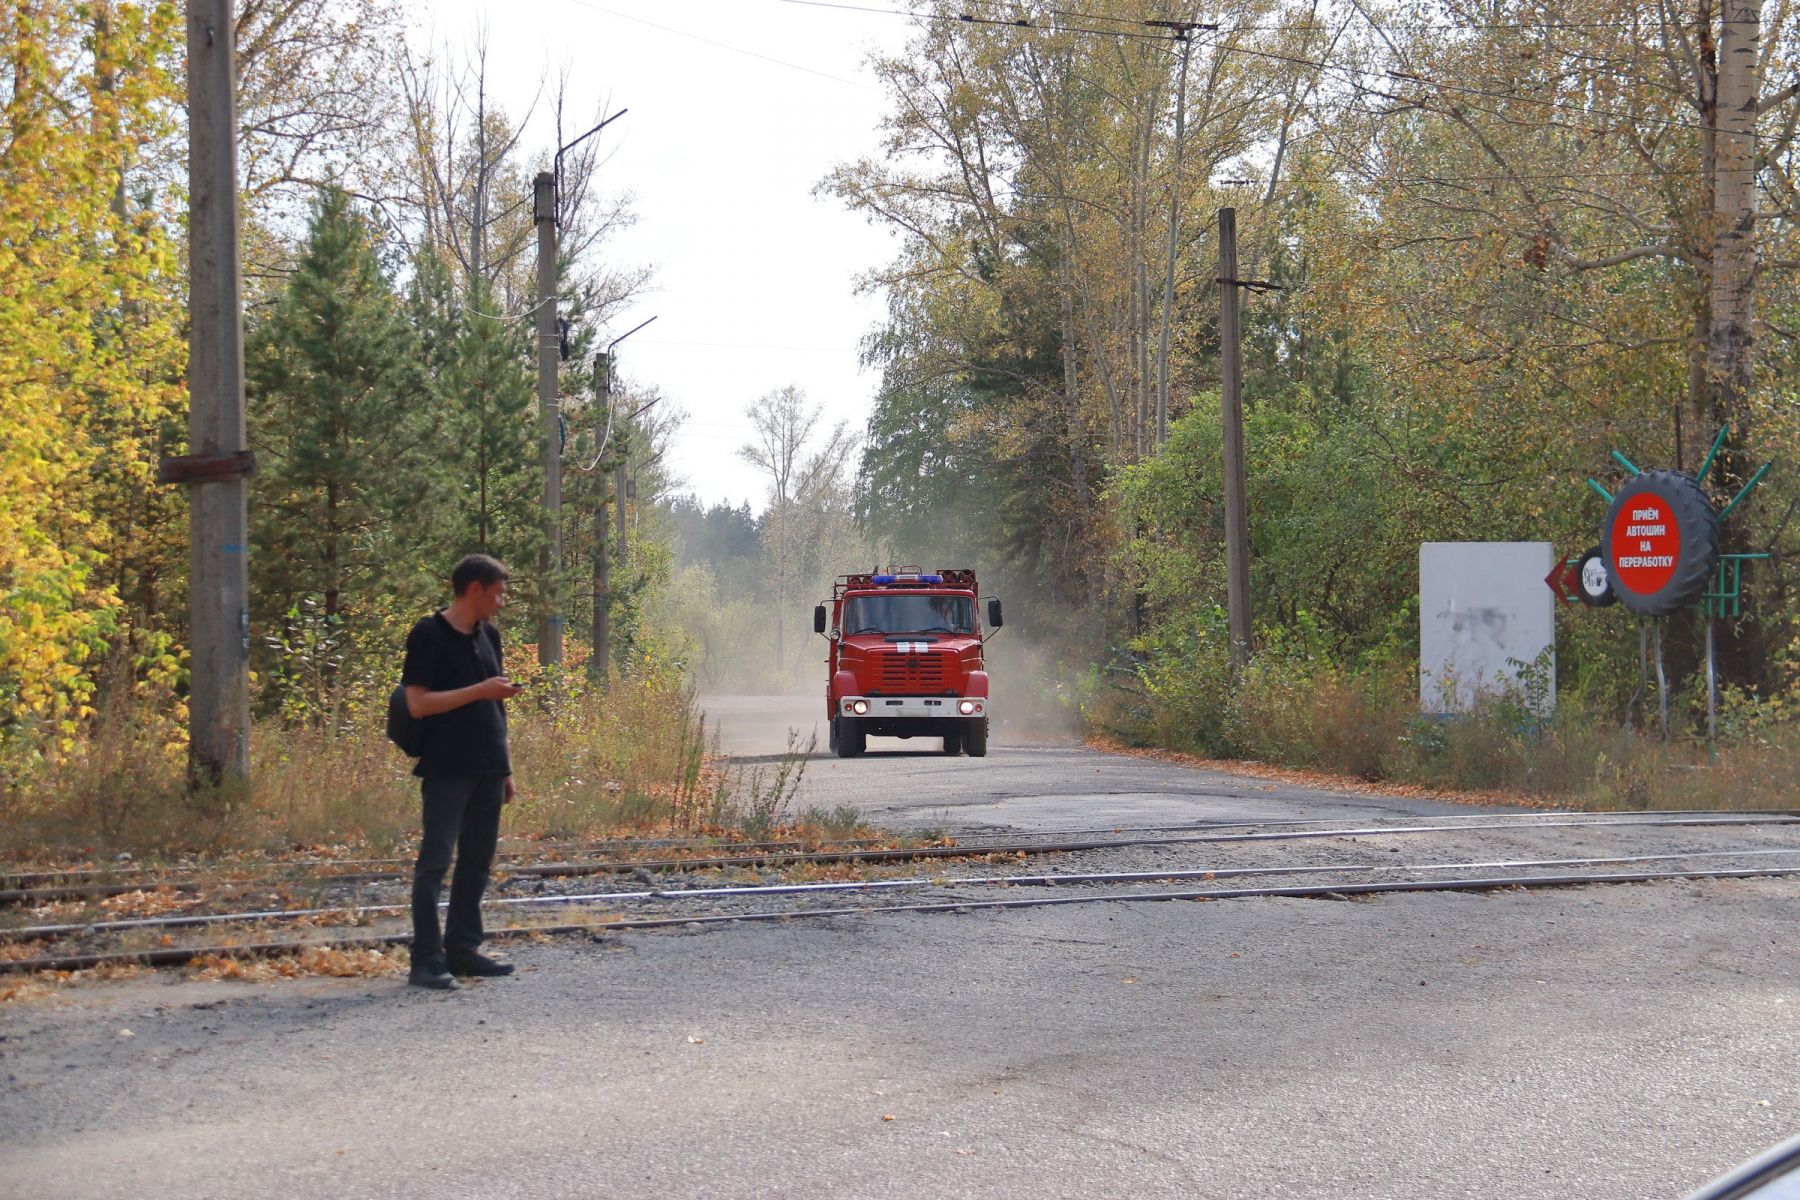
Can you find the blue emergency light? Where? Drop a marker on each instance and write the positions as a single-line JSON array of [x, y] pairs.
[[879, 580]]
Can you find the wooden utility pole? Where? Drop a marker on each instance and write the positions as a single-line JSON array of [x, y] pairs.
[[621, 497], [550, 621], [1231, 381], [217, 462], [1184, 30], [599, 660], [607, 363]]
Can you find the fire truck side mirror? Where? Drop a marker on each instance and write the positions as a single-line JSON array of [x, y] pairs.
[[818, 618], [994, 618]]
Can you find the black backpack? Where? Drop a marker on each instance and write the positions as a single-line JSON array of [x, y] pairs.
[[403, 729]]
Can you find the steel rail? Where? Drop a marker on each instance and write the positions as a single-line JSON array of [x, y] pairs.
[[22, 879], [268, 867], [353, 912], [556, 870], [165, 956], [1274, 822]]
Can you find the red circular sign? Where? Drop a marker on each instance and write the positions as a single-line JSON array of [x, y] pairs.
[[1646, 544]]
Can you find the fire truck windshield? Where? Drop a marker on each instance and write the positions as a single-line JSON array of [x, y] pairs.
[[909, 613]]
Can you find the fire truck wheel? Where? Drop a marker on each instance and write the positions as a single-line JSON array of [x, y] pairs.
[[975, 740], [851, 740], [831, 735], [953, 743]]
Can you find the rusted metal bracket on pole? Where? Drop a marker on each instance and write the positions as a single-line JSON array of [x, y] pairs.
[[1254, 285], [206, 468]]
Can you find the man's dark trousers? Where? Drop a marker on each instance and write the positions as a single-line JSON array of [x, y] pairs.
[[461, 814]]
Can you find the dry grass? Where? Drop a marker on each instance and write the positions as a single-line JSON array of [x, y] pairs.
[[1318, 726], [41, 985], [589, 764], [314, 961]]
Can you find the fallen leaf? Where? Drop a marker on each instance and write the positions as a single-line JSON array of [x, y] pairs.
[[887, 1116]]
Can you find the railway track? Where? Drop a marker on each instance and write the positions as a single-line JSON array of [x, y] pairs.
[[260, 870], [1337, 890], [346, 923], [870, 886], [1208, 834]]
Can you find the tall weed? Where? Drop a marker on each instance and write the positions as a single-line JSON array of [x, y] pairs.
[[588, 762]]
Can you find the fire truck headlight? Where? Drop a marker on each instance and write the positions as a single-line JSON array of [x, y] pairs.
[[859, 707], [968, 708]]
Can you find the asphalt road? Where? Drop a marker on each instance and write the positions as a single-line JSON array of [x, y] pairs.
[[1603, 1042], [1030, 782]]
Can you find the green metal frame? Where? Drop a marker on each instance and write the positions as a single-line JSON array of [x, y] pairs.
[[1726, 599]]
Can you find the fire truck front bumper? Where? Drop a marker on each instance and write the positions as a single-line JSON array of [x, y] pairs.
[[913, 716]]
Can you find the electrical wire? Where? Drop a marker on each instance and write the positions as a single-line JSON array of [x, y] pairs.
[[1223, 46], [972, 19], [780, 62], [748, 346]]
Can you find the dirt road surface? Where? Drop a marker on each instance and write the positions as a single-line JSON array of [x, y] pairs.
[[1626, 1041]]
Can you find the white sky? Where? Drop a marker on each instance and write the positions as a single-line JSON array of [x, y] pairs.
[[754, 285]]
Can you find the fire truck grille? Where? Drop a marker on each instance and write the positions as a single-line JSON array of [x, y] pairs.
[[903, 674]]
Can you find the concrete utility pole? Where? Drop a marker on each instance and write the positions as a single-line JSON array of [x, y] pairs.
[[550, 621], [1231, 380], [217, 461]]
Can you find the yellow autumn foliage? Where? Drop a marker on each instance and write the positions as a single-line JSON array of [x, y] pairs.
[[90, 347]]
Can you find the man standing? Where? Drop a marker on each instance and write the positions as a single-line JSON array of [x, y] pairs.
[[455, 686]]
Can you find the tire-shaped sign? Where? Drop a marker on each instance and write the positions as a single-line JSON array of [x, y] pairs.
[[1660, 543], [1592, 583]]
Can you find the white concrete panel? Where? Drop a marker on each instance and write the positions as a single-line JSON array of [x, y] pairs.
[[1483, 610]]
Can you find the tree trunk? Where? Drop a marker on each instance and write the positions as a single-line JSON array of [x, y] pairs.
[[1730, 338], [1730, 342]]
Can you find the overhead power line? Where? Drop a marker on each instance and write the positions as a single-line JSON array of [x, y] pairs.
[[1224, 45], [1013, 23], [780, 62]]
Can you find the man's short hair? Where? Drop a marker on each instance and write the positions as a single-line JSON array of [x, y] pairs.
[[476, 568]]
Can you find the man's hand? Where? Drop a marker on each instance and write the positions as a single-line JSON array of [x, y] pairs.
[[508, 791], [497, 688]]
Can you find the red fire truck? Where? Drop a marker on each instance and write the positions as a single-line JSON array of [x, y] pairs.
[[906, 659]]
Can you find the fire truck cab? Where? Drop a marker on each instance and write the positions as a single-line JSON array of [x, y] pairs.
[[906, 659]]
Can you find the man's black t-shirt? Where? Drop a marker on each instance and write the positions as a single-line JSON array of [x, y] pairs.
[[466, 741]]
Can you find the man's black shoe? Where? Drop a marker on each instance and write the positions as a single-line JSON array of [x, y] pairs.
[[431, 974], [472, 963]]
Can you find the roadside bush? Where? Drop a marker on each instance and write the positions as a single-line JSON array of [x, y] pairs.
[[1182, 685], [1295, 706]]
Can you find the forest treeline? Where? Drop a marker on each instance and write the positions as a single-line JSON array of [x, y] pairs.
[[1493, 243], [389, 283]]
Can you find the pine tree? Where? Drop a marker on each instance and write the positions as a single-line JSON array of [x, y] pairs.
[[341, 422], [487, 404]]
